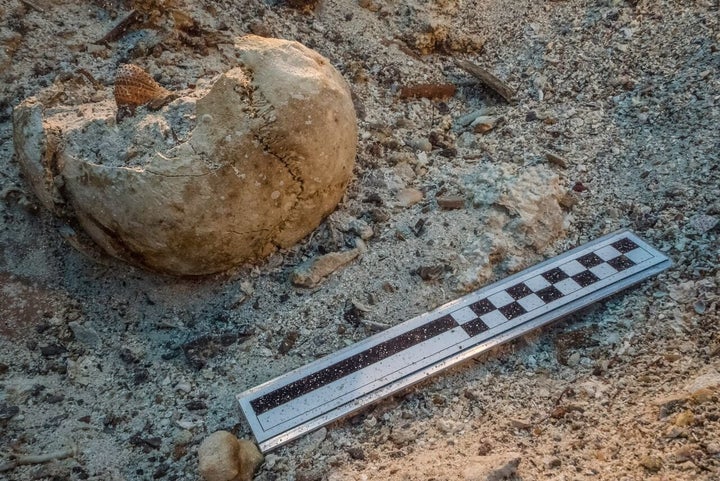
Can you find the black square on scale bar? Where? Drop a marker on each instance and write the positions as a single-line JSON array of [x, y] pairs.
[[624, 245], [590, 260], [549, 294], [621, 263], [518, 291], [554, 275], [512, 310], [585, 278], [482, 307]]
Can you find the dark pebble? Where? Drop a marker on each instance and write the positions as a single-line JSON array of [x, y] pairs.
[[579, 187], [196, 405], [141, 376], [531, 116], [448, 153], [8, 412], [353, 316], [4, 368], [356, 453], [373, 198], [288, 342], [430, 273], [137, 440], [52, 350], [54, 398]]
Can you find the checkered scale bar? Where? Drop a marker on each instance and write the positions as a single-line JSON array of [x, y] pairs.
[[303, 400]]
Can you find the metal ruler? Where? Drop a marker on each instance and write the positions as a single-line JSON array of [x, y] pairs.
[[307, 398]]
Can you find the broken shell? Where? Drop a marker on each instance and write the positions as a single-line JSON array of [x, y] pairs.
[[225, 174], [135, 87]]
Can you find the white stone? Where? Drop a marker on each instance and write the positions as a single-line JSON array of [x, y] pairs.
[[222, 457]]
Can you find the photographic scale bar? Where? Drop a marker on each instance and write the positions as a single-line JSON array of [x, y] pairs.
[[309, 397]]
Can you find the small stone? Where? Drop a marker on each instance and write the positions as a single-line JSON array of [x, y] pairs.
[[422, 145], [703, 223], [195, 405], [288, 342], [552, 463], [685, 418], [8, 412], [312, 272], [356, 453], [699, 306], [569, 199], [574, 359], [369, 5], [670, 405], [430, 273], [556, 160], [52, 350], [706, 381], [402, 437], [409, 197], [484, 124], [702, 395], [85, 334], [451, 202], [712, 449], [222, 457], [651, 463]]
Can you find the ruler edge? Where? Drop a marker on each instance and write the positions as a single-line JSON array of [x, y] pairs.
[[272, 442]]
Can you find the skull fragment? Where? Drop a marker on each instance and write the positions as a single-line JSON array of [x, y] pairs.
[[220, 175]]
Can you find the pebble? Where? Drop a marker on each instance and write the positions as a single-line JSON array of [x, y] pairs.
[[356, 452], [451, 202], [685, 418], [314, 271], [706, 381], [183, 387], [8, 412], [468, 119], [703, 223], [223, 457], [409, 197], [556, 160], [651, 463], [484, 124], [85, 334], [423, 145]]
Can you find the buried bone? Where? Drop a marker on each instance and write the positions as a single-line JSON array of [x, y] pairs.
[[219, 176]]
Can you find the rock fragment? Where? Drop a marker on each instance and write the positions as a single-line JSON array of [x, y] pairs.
[[409, 197], [312, 272], [223, 457]]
